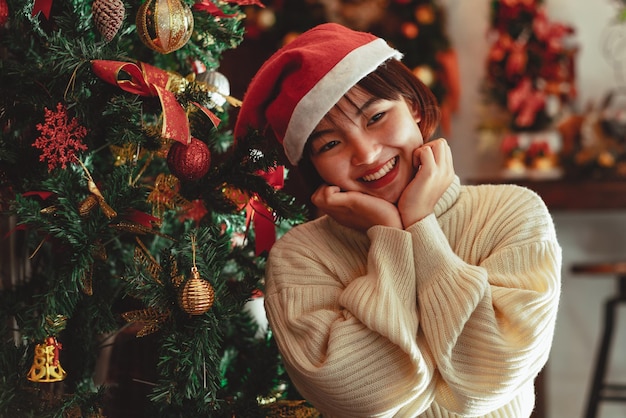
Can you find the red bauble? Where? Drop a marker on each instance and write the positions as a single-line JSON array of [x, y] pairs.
[[189, 162], [4, 12]]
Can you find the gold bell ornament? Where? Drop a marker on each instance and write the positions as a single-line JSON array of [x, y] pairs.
[[197, 295], [164, 25], [46, 367]]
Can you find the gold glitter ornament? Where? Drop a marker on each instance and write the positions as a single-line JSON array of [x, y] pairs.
[[87, 205], [164, 25], [197, 295]]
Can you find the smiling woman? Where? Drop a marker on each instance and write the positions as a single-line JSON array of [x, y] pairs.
[[412, 295]]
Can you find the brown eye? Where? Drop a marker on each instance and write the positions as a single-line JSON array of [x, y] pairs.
[[376, 118], [327, 146]]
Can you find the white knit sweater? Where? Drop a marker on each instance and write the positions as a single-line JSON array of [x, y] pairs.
[[452, 317]]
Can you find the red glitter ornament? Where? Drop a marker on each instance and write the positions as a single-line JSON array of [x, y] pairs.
[[189, 162], [4, 12]]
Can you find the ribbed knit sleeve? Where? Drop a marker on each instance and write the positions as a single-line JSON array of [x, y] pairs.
[[349, 343], [488, 291]]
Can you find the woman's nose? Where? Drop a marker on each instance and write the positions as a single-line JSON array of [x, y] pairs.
[[365, 150]]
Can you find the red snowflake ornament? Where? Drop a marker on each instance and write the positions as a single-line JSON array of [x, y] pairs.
[[60, 138]]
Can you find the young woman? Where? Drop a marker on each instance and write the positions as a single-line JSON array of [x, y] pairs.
[[412, 295]]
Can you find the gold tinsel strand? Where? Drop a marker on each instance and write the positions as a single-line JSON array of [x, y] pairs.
[[86, 282], [87, 205], [143, 257], [290, 409], [150, 318]]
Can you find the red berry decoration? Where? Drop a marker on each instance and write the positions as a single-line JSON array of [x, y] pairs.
[[189, 162]]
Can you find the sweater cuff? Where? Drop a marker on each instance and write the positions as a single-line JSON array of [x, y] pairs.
[[434, 258]]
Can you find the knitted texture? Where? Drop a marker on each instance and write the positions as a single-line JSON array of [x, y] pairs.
[[453, 316]]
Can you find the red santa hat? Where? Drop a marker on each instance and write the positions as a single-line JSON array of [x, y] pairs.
[[301, 82]]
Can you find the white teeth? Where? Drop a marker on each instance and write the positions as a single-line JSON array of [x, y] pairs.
[[383, 170]]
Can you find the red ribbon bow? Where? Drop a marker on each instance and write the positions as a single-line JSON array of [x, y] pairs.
[[146, 80]]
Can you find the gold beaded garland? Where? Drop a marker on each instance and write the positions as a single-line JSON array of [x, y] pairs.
[[164, 25]]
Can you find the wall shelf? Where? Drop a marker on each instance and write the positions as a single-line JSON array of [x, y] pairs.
[[572, 194]]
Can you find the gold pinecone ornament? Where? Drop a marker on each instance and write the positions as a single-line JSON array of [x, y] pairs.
[[108, 16], [197, 295]]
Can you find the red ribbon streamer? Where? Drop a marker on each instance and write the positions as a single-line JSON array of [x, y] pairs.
[[141, 218], [262, 217], [148, 81], [43, 6], [43, 195]]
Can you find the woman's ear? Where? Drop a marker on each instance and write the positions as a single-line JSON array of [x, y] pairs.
[[415, 111]]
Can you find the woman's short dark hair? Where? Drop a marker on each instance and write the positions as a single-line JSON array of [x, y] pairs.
[[389, 81]]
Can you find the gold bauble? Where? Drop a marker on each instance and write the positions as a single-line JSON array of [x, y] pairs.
[[197, 295], [164, 25]]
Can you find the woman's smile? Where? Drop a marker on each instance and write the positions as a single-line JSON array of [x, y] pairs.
[[382, 176]]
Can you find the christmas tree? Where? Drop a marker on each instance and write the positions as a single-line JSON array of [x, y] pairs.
[[134, 228]]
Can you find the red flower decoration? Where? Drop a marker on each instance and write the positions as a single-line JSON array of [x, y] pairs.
[[195, 210], [209, 7], [510, 144], [538, 149], [60, 138], [526, 102]]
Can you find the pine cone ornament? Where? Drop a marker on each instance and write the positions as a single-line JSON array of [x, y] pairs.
[[108, 16]]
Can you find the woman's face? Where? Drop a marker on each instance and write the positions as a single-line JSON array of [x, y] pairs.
[[367, 145]]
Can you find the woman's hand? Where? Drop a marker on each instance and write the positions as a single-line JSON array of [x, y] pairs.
[[355, 209], [435, 173]]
